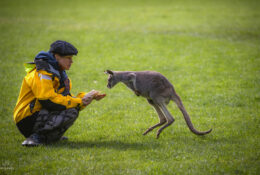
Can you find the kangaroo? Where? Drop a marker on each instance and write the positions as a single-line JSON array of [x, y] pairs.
[[157, 90]]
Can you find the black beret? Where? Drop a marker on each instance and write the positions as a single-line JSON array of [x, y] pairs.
[[63, 48]]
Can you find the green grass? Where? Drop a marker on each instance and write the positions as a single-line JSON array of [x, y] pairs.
[[209, 50]]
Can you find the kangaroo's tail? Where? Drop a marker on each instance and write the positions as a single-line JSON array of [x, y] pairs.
[[178, 101]]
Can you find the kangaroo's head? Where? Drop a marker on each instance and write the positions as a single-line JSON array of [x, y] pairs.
[[112, 79]]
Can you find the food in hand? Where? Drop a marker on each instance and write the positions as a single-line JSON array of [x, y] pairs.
[[94, 95], [99, 95]]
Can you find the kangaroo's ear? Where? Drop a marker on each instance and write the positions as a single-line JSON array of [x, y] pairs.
[[109, 72]]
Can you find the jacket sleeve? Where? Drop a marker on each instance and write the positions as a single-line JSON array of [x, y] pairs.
[[43, 89]]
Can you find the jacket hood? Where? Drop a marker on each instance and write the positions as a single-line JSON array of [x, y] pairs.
[[49, 58]]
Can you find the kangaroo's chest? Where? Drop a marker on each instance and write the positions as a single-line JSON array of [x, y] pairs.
[[138, 88]]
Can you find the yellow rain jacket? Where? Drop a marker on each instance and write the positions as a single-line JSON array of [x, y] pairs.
[[41, 87]]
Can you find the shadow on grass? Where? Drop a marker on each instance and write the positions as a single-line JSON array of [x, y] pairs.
[[113, 144]]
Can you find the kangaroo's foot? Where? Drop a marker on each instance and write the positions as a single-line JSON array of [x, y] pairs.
[[148, 130], [151, 128], [162, 128]]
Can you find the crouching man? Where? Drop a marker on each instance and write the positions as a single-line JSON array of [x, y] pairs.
[[45, 108]]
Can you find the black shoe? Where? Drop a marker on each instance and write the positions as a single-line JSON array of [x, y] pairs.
[[63, 138], [33, 140]]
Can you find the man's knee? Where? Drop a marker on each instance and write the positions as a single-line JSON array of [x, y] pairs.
[[72, 112]]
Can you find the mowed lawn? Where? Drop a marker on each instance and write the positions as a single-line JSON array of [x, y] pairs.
[[209, 50]]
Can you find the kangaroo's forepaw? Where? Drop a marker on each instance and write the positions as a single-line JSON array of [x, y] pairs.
[[137, 93]]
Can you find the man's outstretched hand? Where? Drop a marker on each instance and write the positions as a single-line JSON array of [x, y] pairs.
[[87, 99]]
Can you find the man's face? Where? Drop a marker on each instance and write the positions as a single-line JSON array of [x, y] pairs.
[[64, 61]]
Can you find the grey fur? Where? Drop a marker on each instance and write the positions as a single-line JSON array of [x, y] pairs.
[[157, 90]]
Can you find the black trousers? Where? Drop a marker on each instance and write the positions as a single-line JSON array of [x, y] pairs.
[[49, 125]]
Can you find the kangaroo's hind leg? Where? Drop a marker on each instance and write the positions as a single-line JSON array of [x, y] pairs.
[[168, 116], [160, 115]]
